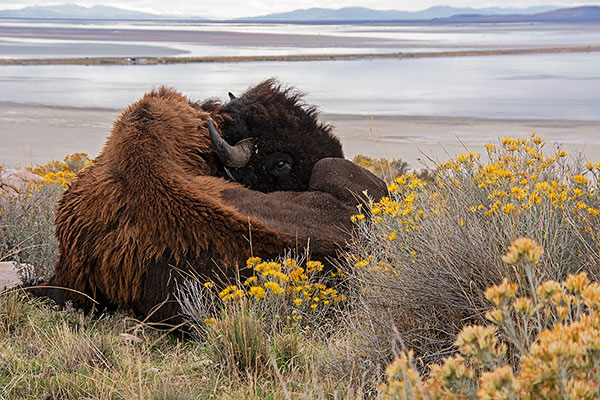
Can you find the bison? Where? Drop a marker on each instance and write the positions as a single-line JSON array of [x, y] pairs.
[[201, 187]]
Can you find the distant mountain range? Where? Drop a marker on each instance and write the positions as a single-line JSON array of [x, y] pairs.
[[367, 14], [73, 11], [437, 14], [572, 15]]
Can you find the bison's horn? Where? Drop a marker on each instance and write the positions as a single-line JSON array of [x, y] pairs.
[[231, 96], [232, 156]]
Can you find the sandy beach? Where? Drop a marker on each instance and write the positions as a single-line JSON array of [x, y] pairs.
[[32, 134], [292, 58]]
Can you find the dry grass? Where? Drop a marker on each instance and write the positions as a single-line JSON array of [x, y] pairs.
[[27, 225], [27, 232], [52, 353]]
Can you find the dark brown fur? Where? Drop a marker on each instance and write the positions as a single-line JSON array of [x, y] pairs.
[[152, 202], [280, 125]]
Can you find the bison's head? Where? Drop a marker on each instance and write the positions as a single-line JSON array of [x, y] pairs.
[[268, 139]]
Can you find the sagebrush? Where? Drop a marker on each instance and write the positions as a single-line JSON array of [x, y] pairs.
[[423, 257]]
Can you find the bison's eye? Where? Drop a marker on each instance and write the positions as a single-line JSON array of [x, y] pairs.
[[280, 165]]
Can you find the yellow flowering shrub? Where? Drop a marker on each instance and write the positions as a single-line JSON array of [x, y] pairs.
[[27, 229], [553, 333], [261, 319], [61, 173], [517, 186], [72, 163], [430, 248], [285, 288]]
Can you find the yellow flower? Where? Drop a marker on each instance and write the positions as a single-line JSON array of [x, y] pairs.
[[475, 340], [537, 140], [252, 261], [501, 294], [250, 280], [258, 292], [582, 389], [274, 287], [314, 266], [225, 292], [548, 290], [498, 384], [576, 283], [392, 236], [231, 293], [297, 274], [297, 301], [580, 179], [496, 316], [453, 369], [508, 208], [209, 284], [523, 247], [524, 305], [591, 295]]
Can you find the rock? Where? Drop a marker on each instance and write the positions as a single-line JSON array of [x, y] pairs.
[[14, 182], [8, 275]]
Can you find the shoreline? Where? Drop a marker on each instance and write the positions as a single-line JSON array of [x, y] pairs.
[[37, 134], [292, 58]]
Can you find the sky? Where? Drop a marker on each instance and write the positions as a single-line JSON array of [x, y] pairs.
[[242, 8]]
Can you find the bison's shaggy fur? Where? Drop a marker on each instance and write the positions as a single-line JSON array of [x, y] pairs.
[[152, 202], [282, 126]]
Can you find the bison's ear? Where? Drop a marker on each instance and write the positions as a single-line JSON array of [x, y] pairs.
[[231, 96]]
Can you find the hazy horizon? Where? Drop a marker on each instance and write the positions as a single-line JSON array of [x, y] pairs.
[[229, 9]]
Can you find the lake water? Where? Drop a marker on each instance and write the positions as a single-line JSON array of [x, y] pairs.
[[565, 86], [23, 39], [514, 86]]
